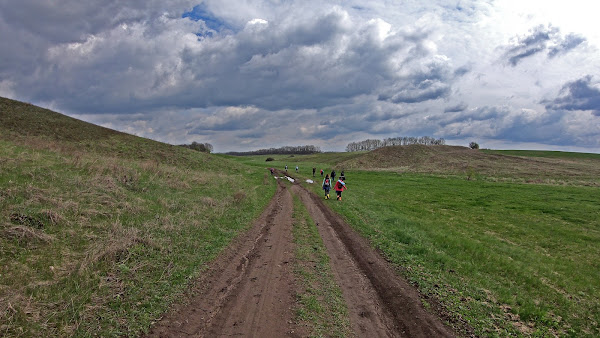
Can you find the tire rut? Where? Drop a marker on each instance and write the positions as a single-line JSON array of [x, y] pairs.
[[249, 290], [380, 303]]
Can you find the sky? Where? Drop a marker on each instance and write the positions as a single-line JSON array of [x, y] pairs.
[[245, 75]]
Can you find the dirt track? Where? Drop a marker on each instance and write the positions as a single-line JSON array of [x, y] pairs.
[[249, 290]]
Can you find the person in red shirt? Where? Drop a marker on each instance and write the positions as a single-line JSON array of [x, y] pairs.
[[339, 187]]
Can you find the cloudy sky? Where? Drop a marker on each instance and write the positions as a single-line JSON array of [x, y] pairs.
[[245, 74]]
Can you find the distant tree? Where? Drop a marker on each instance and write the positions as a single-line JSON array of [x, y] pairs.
[[287, 150], [393, 141], [473, 145], [203, 147]]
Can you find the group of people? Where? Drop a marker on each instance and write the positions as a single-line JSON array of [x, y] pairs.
[[329, 182], [338, 186]]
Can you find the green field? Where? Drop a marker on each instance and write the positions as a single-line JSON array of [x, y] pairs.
[[101, 231], [506, 258]]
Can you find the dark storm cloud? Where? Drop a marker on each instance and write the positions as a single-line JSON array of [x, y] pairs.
[[419, 92], [531, 44], [431, 82], [578, 95], [570, 42], [72, 20], [305, 63], [542, 39], [457, 108]]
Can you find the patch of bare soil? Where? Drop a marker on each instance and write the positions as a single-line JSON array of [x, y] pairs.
[[250, 290]]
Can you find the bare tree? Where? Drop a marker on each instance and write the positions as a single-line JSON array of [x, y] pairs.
[[372, 144]]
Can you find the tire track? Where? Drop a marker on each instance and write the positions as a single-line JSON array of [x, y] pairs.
[[249, 289], [380, 303]]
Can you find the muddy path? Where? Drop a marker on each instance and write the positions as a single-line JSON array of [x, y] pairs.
[[250, 289]]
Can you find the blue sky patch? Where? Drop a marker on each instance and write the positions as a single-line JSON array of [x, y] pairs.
[[202, 13]]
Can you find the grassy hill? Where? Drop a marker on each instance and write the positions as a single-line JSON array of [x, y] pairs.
[[539, 167], [100, 230]]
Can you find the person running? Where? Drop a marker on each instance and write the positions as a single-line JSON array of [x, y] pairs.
[[321, 172], [286, 168], [339, 187], [333, 175], [342, 175], [314, 170], [296, 168], [326, 186]]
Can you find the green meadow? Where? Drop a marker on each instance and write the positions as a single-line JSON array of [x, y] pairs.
[[101, 231], [503, 258]]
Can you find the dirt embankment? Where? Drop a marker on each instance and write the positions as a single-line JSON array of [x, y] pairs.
[[250, 290]]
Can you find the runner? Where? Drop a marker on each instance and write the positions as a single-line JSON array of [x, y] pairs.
[[314, 170], [333, 175], [296, 168], [339, 187], [321, 172], [326, 186], [286, 168]]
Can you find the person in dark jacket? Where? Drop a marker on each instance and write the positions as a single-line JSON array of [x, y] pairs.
[[326, 186], [333, 175]]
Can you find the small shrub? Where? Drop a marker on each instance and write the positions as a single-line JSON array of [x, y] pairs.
[[239, 196], [269, 159], [473, 145]]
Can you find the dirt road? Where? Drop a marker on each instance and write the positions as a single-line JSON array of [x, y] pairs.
[[249, 290]]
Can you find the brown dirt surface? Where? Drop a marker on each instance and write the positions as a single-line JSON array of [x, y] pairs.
[[250, 289]]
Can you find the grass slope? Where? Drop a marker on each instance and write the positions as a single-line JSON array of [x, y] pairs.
[[99, 230]]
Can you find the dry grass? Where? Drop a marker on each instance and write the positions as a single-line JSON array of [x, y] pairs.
[[115, 246], [26, 234], [14, 305]]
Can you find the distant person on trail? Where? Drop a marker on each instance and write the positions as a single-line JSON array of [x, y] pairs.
[[272, 170], [339, 187], [333, 175], [296, 168], [321, 172], [342, 175], [314, 170], [286, 168], [326, 186]]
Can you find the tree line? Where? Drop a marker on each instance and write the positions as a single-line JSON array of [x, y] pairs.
[[307, 149], [203, 147], [372, 144]]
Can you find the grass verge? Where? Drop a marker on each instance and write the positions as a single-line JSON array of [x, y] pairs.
[[321, 307]]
